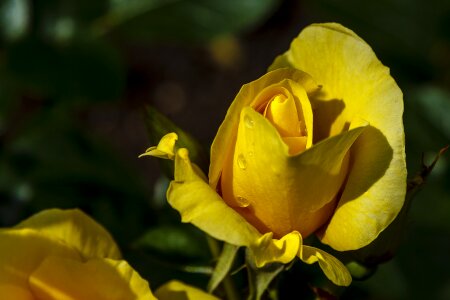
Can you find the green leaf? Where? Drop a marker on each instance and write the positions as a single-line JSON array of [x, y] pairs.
[[434, 103], [182, 20], [174, 241], [8, 103], [223, 266], [14, 18], [388, 282], [86, 69]]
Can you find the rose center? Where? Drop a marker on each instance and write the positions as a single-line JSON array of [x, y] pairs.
[[286, 116], [264, 180], [285, 113]]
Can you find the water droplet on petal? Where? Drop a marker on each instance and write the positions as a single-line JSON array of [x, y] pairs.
[[242, 163], [248, 121], [250, 153], [242, 202]]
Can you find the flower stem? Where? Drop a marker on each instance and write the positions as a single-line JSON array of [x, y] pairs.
[[227, 283]]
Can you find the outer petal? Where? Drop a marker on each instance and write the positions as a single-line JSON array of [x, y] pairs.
[[282, 191], [176, 290], [226, 135], [8, 291], [203, 207], [21, 252], [101, 279], [333, 268], [74, 229], [355, 83]]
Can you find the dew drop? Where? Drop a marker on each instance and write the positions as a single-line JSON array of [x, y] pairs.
[[242, 163], [250, 153], [249, 122], [242, 202]]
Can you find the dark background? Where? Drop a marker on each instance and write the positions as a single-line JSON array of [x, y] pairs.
[[75, 77]]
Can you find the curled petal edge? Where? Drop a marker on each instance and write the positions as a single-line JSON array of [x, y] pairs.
[[331, 266], [165, 148]]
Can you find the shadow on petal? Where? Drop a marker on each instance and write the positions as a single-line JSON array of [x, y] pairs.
[[368, 201], [325, 113], [370, 157]]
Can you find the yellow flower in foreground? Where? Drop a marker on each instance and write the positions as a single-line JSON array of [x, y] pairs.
[[176, 290], [65, 255], [314, 146]]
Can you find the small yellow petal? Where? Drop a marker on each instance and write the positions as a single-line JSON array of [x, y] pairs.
[[165, 148], [332, 268], [200, 205], [268, 250], [176, 290]]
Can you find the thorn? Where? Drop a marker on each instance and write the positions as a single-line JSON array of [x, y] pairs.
[[425, 171]]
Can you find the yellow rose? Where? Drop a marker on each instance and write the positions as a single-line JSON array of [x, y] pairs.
[[314, 146], [65, 255]]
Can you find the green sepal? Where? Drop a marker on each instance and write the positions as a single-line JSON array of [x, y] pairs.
[[223, 266], [175, 242], [360, 271], [259, 279]]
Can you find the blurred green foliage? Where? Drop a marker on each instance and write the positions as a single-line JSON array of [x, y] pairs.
[[182, 20], [75, 74]]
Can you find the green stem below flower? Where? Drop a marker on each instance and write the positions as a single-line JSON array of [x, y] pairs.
[[227, 283]]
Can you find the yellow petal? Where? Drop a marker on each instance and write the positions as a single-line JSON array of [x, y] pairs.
[[21, 252], [75, 229], [355, 83], [101, 279], [200, 205], [165, 148], [332, 268], [287, 107], [268, 250], [283, 192], [15, 292], [176, 290], [226, 135], [282, 113], [295, 144]]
